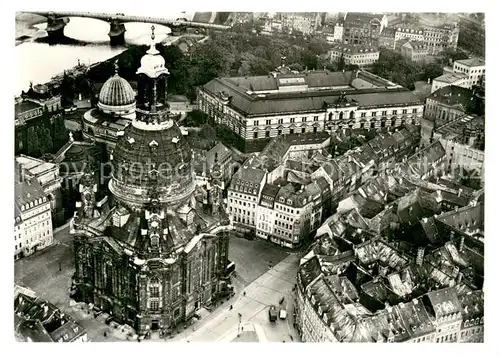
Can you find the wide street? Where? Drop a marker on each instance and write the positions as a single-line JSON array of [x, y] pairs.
[[266, 290], [49, 272]]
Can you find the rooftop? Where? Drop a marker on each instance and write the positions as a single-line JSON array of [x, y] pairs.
[[450, 78], [453, 95], [254, 96], [355, 49], [471, 62], [25, 106]]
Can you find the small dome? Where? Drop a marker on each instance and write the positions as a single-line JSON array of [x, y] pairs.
[[152, 63], [116, 92]]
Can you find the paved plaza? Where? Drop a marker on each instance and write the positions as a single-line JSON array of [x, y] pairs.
[[48, 273]]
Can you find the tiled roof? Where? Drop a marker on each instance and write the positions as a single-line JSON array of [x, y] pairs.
[[248, 175], [444, 302]]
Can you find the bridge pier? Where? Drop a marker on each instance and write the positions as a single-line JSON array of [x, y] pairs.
[[116, 33], [178, 30], [55, 27]]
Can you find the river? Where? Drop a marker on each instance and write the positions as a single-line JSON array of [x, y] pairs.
[[37, 61]]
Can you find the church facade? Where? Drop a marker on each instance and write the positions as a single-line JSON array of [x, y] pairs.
[[139, 255]]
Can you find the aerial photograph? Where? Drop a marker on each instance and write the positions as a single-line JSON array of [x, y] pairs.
[[249, 177]]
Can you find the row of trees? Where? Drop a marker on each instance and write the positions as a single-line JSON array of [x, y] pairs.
[[394, 67], [234, 53]]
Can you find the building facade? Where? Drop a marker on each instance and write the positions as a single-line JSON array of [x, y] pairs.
[[33, 217], [363, 29], [414, 51], [47, 174], [142, 258], [441, 37], [463, 142], [260, 108], [465, 73], [409, 33], [306, 23], [354, 55]]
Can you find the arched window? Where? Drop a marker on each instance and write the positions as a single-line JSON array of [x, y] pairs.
[[351, 114], [330, 116], [341, 115]]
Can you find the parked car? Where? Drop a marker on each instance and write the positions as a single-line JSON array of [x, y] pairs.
[[273, 313]]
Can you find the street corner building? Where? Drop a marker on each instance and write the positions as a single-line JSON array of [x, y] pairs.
[[139, 253]]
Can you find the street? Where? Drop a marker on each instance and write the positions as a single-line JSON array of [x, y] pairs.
[[48, 273], [266, 290]]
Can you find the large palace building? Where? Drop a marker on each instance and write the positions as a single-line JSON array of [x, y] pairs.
[[262, 107], [138, 253]]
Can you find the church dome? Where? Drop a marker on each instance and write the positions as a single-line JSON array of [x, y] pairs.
[[144, 160], [117, 96]]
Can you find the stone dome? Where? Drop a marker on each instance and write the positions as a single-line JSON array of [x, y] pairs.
[[152, 159], [117, 96]]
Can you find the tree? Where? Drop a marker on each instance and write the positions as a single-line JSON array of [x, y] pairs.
[[195, 118], [60, 132], [33, 144], [46, 143]]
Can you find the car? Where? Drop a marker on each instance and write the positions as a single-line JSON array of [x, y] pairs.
[[273, 313]]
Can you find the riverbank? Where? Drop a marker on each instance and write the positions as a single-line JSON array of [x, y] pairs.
[[25, 23]]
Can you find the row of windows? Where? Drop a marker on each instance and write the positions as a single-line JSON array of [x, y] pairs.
[[282, 233], [244, 220], [245, 197], [241, 202], [33, 203], [470, 332], [447, 338], [292, 120]]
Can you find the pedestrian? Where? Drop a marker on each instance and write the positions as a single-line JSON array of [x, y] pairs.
[[231, 307], [244, 293]]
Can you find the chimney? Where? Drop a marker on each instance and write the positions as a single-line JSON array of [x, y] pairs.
[[456, 270], [459, 192], [459, 277], [461, 245]]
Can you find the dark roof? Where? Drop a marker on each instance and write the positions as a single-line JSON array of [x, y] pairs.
[[353, 17], [24, 106], [27, 191], [453, 95], [306, 101], [422, 161], [309, 271]]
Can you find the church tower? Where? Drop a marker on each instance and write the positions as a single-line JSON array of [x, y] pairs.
[[216, 186], [87, 189], [152, 152]]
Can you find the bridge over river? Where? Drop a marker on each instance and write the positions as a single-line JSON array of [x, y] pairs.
[[57, 20]]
